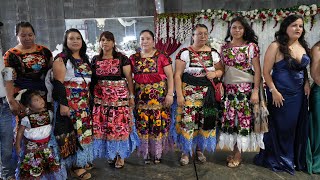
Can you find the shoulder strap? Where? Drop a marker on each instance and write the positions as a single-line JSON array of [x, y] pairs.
[[201, 62]]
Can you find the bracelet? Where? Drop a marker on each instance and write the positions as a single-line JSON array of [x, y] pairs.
[[170, 94], [131, 96], [256, 88], [271, 89]]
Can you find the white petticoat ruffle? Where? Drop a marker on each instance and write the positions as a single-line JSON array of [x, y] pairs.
[[244, 143]]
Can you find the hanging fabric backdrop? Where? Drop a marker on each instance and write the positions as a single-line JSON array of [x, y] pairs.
[[173, 31]]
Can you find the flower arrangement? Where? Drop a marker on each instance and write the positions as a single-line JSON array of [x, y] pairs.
[[307, 11], [175, 26], [215, 43]]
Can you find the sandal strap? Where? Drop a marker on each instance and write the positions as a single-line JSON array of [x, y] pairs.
[[83, 174]]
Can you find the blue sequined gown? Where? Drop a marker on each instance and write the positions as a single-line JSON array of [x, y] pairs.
[[285, 143]]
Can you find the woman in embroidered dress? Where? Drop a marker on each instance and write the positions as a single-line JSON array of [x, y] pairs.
[[114, 130], [287, 57], [73, 126], [30, 62], [37, 158], [240, 54], [197, 111], [153, 96]]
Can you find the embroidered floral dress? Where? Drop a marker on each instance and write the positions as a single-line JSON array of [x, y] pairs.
[[190, 117], [31, 68], [76, 82], [152, 118], [237, 120], [114, 129], [37, 159]]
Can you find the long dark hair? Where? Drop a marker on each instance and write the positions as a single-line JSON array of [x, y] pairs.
[[248, 35], [23, 25], [109, 36], [68, 52], [283, 39], [27, 96]]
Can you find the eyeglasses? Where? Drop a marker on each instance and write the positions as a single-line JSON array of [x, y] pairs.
[[201, 34]]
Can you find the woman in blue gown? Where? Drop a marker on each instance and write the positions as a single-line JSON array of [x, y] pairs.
[[287, 57]]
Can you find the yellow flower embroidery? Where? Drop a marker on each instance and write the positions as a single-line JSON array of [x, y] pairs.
[[147, 91], [162, 83], [188, 103], [148, 86], [158, 122], [146, 70], [153, 102], [155, 85], [164, 115], [198, 103]]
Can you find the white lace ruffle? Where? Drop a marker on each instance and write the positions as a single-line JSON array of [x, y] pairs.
[[244, 143]]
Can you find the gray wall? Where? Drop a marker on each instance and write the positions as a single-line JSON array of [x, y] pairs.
[[47, 16]]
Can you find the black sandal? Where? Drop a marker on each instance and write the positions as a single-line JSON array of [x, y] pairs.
[[84, 176]]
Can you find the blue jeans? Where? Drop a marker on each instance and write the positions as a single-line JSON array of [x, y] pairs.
[[6, 141]]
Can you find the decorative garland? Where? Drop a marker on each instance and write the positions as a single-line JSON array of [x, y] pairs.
[[179, 26]]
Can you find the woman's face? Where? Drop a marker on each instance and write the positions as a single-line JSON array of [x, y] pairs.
[[26, 37], [106, 44], [74, 41], [200, 36], [237, 30], [146, 41], [295, 29]]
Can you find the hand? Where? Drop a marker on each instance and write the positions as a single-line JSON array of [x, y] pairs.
[[168, 101], [16, 107], [307, 89], [254, 99], [64, 110], [277, 98], [131, 103], [180, 101], [211, 75]]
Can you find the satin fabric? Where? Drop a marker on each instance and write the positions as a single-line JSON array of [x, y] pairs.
[[313, 149], [285, 143]]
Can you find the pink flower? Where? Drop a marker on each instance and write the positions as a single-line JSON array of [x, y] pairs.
[[241, 57], [244, 87]]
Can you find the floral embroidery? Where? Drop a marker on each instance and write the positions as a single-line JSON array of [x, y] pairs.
[[146, 65], [38, 161], [78, 101], [39, 119], [206, 59], [152, 118], [237, 100], [112, 118], [83, 69], [108, 67]]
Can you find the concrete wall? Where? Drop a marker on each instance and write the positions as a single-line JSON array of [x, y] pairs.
[[48, 16]]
